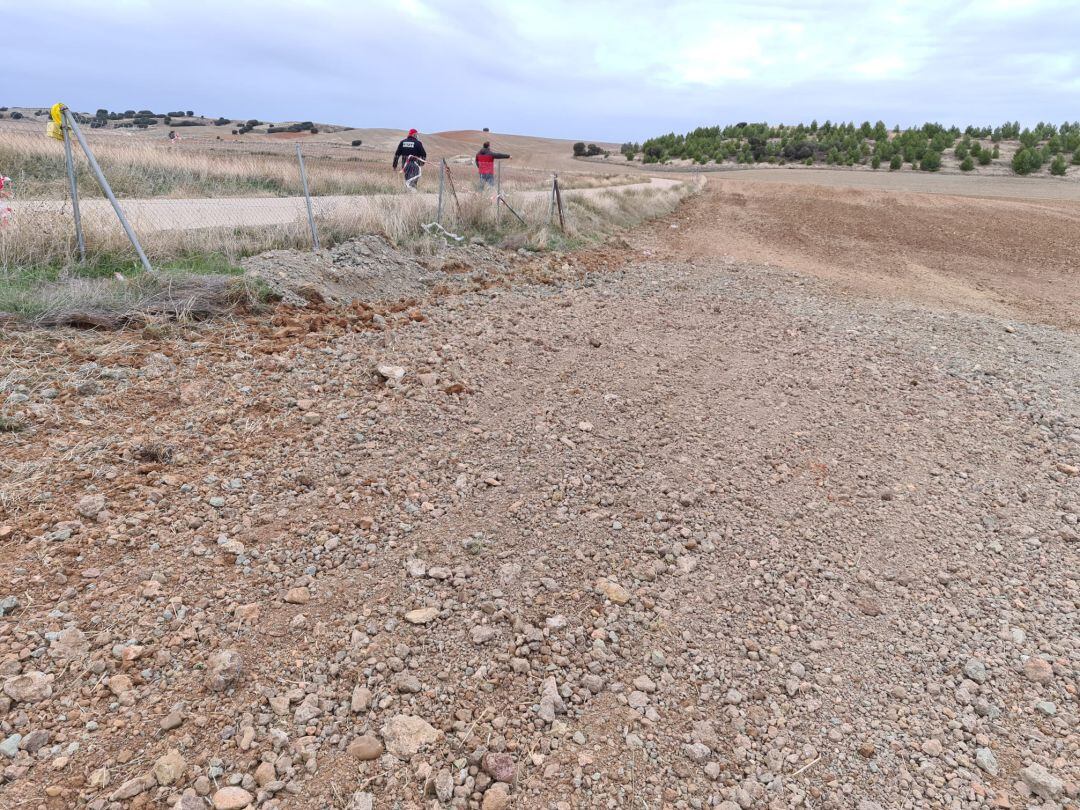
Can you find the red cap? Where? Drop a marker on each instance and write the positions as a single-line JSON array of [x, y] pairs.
[[412, 131]]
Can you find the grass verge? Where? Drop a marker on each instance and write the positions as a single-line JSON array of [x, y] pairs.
[[197, 273]]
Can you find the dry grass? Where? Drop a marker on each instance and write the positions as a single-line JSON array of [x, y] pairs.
[[145, 169], [40, 282]]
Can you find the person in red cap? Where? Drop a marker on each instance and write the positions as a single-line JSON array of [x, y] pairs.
[[413, 155]]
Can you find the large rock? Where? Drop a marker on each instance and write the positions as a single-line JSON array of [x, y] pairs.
[[366, 747], [223, 669], [1038, 670], [232, 798], [499, 766], [497, 797], [551, 702], [69, 645], [1042, 782], [169, 768], [30, 687], [89, 506], [405, 735], [613, 591], [132, 788], [421, 615]]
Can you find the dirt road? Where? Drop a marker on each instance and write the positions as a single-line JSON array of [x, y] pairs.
[[639, 527], [151, 216]]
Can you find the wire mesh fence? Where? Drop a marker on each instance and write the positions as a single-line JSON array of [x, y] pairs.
[[200, 195]]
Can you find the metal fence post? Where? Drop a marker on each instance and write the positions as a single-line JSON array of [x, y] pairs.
[[558, 204], [71, 122], [498, 193], [74, 194], [551, 209], [307, 197], [442, 183]]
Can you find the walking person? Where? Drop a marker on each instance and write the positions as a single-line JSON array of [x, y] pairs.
[[413, 155], [485, 164]]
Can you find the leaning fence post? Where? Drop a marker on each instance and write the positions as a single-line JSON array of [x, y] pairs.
[[74, 194], [307, 197], [558, 203], [498, 193], [71, 122], [551, 209], [442, 183]]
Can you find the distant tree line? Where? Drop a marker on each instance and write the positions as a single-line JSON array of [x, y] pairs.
[[849, 144]]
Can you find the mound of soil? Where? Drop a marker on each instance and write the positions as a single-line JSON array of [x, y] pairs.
[[367, 268]]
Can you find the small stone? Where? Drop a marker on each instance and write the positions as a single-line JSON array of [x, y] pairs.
[[697, 752], [132, 788], [361, 699], [391, 373], [223, 669], [986, 760], [421, 615], [405, 735], [366, 747], [613, 591], [867, 750], [90, 506], [975, 670], [645, 684], [497, 797], [869, 606], [1038, 670], [298, 596], [1047, 707], [171, 720], [1042, 782], [169, 768], [232, 798], [10, 747], [119, 684], [932, 748], [499, 766], [265, 774], [444, 785], [8, 605], [482, 633], [30, 687], [361, 800]]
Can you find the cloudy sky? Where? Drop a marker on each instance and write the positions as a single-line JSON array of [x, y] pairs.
[[579, 69]]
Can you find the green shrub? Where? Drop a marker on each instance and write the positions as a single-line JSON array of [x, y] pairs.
[[1057, 167], [875, 162], [961, 152], [16, 115], [931, 161], [1026, 161], [896, 163], [1076, 158], [967, 164], [976, 149], [809, 161], [997, 151], [984, 157], [579, 149], [356, 142], [592, 150]]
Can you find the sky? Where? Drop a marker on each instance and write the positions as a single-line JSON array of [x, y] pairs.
[[610, 71]]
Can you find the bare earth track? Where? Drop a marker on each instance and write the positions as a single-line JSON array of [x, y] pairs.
[[744, 513]]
